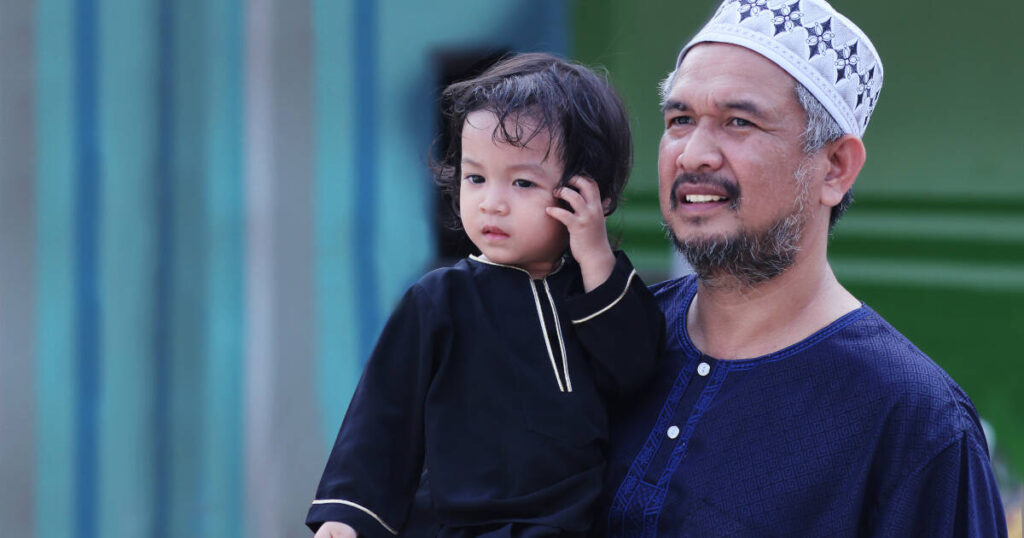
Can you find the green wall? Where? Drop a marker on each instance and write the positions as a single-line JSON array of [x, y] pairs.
[[935, 241]]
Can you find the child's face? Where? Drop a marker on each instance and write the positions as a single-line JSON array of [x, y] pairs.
[[503, 193]]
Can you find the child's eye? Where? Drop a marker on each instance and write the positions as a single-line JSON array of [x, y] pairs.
[[523, 183], [474, 178]]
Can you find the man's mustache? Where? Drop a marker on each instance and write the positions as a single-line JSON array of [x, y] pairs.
[[731, 188]]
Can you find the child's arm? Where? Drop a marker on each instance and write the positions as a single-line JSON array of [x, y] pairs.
[[334, 529], [622, 328], [588, 238], [617, 319], [377, 460]]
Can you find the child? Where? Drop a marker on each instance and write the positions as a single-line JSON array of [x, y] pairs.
[[489, 387]]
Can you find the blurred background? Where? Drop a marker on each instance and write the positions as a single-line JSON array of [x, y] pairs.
[[209, 207]]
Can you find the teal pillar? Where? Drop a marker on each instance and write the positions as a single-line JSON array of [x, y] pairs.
[[337, 352], [56, 474], [202, 313], [127, 115], [221, 472]]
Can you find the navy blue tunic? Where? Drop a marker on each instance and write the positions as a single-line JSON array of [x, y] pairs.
[[496, 387], [850, 432]]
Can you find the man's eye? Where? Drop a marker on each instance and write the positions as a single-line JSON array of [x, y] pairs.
[[679, 120], [474, 178], [740, 122], [523, 183]]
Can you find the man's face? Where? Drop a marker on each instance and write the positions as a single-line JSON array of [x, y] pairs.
[[729, 161]]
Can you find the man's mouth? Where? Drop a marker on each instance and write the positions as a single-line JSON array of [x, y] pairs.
[[704, 191], [700, 197], [703, 198]]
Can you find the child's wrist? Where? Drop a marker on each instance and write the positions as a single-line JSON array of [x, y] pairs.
[[597, 257], [596, 268], [597, 252]]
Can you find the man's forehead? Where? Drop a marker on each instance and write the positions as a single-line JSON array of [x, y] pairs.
[[725, 59], [733, 72]]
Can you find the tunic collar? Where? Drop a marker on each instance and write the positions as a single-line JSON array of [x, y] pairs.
[[483, 259]]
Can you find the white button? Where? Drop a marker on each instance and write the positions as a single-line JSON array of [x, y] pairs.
[[703, 369], [673, 432]]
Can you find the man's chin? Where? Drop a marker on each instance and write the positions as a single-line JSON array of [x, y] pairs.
[[746, 257], [699, 237]]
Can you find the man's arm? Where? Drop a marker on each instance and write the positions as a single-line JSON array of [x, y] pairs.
[[953, 493]]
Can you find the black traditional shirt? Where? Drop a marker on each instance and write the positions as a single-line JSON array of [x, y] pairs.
[[497, 385]]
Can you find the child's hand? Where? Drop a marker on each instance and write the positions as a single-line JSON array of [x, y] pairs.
[[334, 529], [588, 238]]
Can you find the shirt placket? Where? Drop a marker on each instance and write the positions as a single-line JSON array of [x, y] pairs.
[[667, 443]]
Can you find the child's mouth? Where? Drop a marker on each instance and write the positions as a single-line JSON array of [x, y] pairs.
[[493, 232]]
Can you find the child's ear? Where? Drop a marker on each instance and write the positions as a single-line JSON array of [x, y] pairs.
[[606, 203]]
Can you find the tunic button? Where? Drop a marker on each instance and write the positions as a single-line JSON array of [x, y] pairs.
[[673, 432], [703, 369]]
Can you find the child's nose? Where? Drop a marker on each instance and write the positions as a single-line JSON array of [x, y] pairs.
[[493, 202]]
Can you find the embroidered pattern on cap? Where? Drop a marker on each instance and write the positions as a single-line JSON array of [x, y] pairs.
[[836, 61]]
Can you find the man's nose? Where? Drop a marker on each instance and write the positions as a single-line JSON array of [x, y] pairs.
[[701, 150]]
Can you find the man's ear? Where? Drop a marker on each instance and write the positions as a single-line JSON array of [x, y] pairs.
[[845, 159]]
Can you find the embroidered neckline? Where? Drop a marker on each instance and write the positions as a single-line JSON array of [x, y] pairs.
[[483, 259], [534, 283], [743, 364]]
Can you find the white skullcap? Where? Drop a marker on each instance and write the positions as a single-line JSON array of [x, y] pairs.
[[814, 43]]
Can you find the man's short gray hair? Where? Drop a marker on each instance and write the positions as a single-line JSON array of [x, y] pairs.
[[822, 129]]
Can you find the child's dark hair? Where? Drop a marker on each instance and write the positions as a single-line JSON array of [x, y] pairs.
[[576, 106]]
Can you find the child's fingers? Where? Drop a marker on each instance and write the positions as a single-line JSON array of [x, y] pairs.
[[573, 198], [561, 215], [587, 188]]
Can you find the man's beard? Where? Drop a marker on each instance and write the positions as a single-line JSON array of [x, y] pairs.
[[748, 257]]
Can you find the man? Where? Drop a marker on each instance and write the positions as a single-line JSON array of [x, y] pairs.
[[784, 406]]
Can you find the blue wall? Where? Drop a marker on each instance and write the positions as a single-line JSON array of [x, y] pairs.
[[221, 201], [139, 263]]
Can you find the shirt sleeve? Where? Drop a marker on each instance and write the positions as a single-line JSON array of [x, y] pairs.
[[375, 465], [621, 328], [953, 494]]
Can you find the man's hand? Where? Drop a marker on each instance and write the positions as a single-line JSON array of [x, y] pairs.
[[334, 529], [588, 238]]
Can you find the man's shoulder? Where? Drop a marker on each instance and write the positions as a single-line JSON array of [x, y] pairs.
[[872, 344], [912, 389]]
